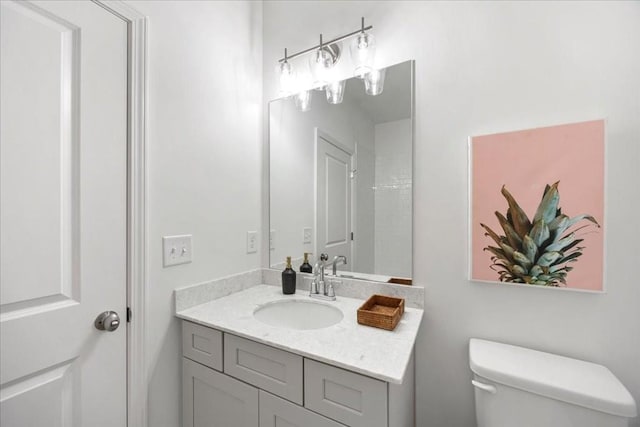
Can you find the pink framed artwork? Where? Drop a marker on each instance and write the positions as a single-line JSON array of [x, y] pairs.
[[537, 207]]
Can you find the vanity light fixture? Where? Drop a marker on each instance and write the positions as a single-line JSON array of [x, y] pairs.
[[363, 50], [322, 61]]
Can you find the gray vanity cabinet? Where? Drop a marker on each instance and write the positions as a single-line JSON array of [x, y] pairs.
[[212, 399], [230, 381]]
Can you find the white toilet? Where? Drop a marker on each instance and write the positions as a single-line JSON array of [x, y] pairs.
[[519, 387]]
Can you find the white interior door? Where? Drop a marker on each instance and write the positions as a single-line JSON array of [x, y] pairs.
[[63, 227], [333, 201]]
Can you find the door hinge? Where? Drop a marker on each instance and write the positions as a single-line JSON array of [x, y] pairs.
[[352, 235], [128, 314]]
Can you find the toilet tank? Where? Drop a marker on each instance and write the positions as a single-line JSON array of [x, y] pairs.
[[516, 386]]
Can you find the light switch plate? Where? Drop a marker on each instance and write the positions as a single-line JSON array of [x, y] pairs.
[[306, 235], [272, 240], [176, 250], [252, 242]]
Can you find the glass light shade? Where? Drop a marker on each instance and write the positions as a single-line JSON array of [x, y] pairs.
[[320, 64], [287, 78], [303, 100], [374, 82], [335, 92], [363, 51]]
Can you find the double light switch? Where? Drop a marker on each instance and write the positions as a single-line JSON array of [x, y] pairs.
[[176, 250]]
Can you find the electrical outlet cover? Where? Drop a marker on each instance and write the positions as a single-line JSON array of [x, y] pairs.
[[306, 235], [252, 242]]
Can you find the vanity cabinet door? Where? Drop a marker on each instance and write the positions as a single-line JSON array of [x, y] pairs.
[[276, 412], [211, 399], [353, 399]]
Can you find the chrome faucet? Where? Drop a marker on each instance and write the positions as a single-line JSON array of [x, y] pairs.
[[338, 260], [319, 289]]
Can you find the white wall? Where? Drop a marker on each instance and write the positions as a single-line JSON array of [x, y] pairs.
[[205, 110], [393, 204], [485, 67]]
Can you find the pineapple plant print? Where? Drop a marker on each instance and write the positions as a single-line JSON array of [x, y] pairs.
[[538, 251]]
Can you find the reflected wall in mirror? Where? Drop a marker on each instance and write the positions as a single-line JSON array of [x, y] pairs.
[[341, 179]]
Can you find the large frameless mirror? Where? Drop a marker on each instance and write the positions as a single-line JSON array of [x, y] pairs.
[[341, 178]]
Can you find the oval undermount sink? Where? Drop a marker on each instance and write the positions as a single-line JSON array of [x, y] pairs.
[[297, 314]]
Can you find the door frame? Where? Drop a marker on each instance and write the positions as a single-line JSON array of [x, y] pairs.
[[137, 245], [317, 134]]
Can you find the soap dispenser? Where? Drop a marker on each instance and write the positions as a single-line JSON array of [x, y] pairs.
[[288, 279], [306, 267]]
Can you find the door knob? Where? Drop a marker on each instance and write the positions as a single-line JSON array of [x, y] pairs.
[[107, 321]]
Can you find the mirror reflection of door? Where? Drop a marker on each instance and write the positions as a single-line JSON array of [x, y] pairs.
[[333, 200]]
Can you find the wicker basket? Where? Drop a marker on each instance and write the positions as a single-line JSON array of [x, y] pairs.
[[381, 311]]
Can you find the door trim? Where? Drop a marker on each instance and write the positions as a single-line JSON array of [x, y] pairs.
[[137, 25]]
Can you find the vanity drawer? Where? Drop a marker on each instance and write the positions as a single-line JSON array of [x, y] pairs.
[[276, 412], [268, 368], [202, 344], [347, 397]]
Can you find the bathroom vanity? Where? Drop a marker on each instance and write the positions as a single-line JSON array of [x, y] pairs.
[[240, 371]]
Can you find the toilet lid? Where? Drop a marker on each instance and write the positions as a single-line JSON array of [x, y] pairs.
[[562, 378]]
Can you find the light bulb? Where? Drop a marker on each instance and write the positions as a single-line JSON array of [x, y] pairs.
[[287, 78], [320, 64], [363, 49], [303, 100], [374, 82], [335, 92]]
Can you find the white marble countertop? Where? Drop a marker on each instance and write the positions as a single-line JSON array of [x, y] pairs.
[[370, 351]]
